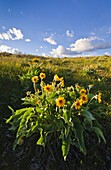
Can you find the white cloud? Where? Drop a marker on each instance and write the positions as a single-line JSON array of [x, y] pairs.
[[92, 33], [12, 34], [60, 51], [83, 44], [89, 44], [107, 53], [17, 32], [41, 46], [69, 33], [50, 40], [3, 27], [27, 40], [5, 48], [80, 46], [36, 50], [43, 54], [5, 36]]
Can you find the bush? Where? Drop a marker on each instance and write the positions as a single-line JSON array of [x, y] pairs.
[[55, 110]]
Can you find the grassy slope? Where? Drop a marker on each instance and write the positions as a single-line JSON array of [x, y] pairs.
[[85, 71]]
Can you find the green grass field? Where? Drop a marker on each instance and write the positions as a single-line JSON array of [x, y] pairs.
[[83, 71]]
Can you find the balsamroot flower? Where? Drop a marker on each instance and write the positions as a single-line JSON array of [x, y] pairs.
[[99, 98], [48, 88], [42, 75], [56, 78], [60, 102], [84, 98], [78, 104], [35, 79], [82, 91]]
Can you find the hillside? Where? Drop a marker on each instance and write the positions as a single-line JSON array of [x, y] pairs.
[[16, 72]]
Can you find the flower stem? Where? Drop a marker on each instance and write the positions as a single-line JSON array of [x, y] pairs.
[[35, 89]]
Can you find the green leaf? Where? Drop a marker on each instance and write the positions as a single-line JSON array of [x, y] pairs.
[[40, 141], [99, 133], [80, 137], [88, 115], [10, 118], [67, 130], [11, 109], [24, 121], [66, 146], [21, 111], [66, 116], [34, 126], [39, 110]]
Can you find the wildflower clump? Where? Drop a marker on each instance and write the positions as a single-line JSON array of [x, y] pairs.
[[55, 109]]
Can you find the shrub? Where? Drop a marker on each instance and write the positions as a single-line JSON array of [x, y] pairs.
[[55, 110]]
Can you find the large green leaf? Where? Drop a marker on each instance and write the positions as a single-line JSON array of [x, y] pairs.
[[66, 116], [79, 133], [66, 146], [99, 133], [89, 117], [24, 121]]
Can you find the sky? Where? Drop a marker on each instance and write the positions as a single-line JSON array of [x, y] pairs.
[[57, 28]]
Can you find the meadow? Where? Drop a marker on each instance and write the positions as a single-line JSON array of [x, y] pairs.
[[16, 72]]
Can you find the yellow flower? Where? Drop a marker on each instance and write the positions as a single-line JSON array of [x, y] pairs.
[[37, 102], [35, 79], [99, 98], [56, 78], [35, 60], [48, 88], [78, 104], [42, 75], [62, 83], [60, 102], [82, 91], [77, 87], [84, 98]]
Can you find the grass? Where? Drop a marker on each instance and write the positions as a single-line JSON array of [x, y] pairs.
[[82, 70]]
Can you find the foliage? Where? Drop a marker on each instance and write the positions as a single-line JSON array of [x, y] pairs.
[[54, 110]]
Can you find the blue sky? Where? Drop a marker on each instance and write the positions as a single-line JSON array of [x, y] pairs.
[[58, 28]]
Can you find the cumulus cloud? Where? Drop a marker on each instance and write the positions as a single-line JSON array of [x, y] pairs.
[[27, 40], [69, 33], [60, 51], [5, 48], [36, 50], [41, 46], [43, 54], [3, 27], [80, 46], [12, 34], [92, 33], [50, 40], [107, 53]]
